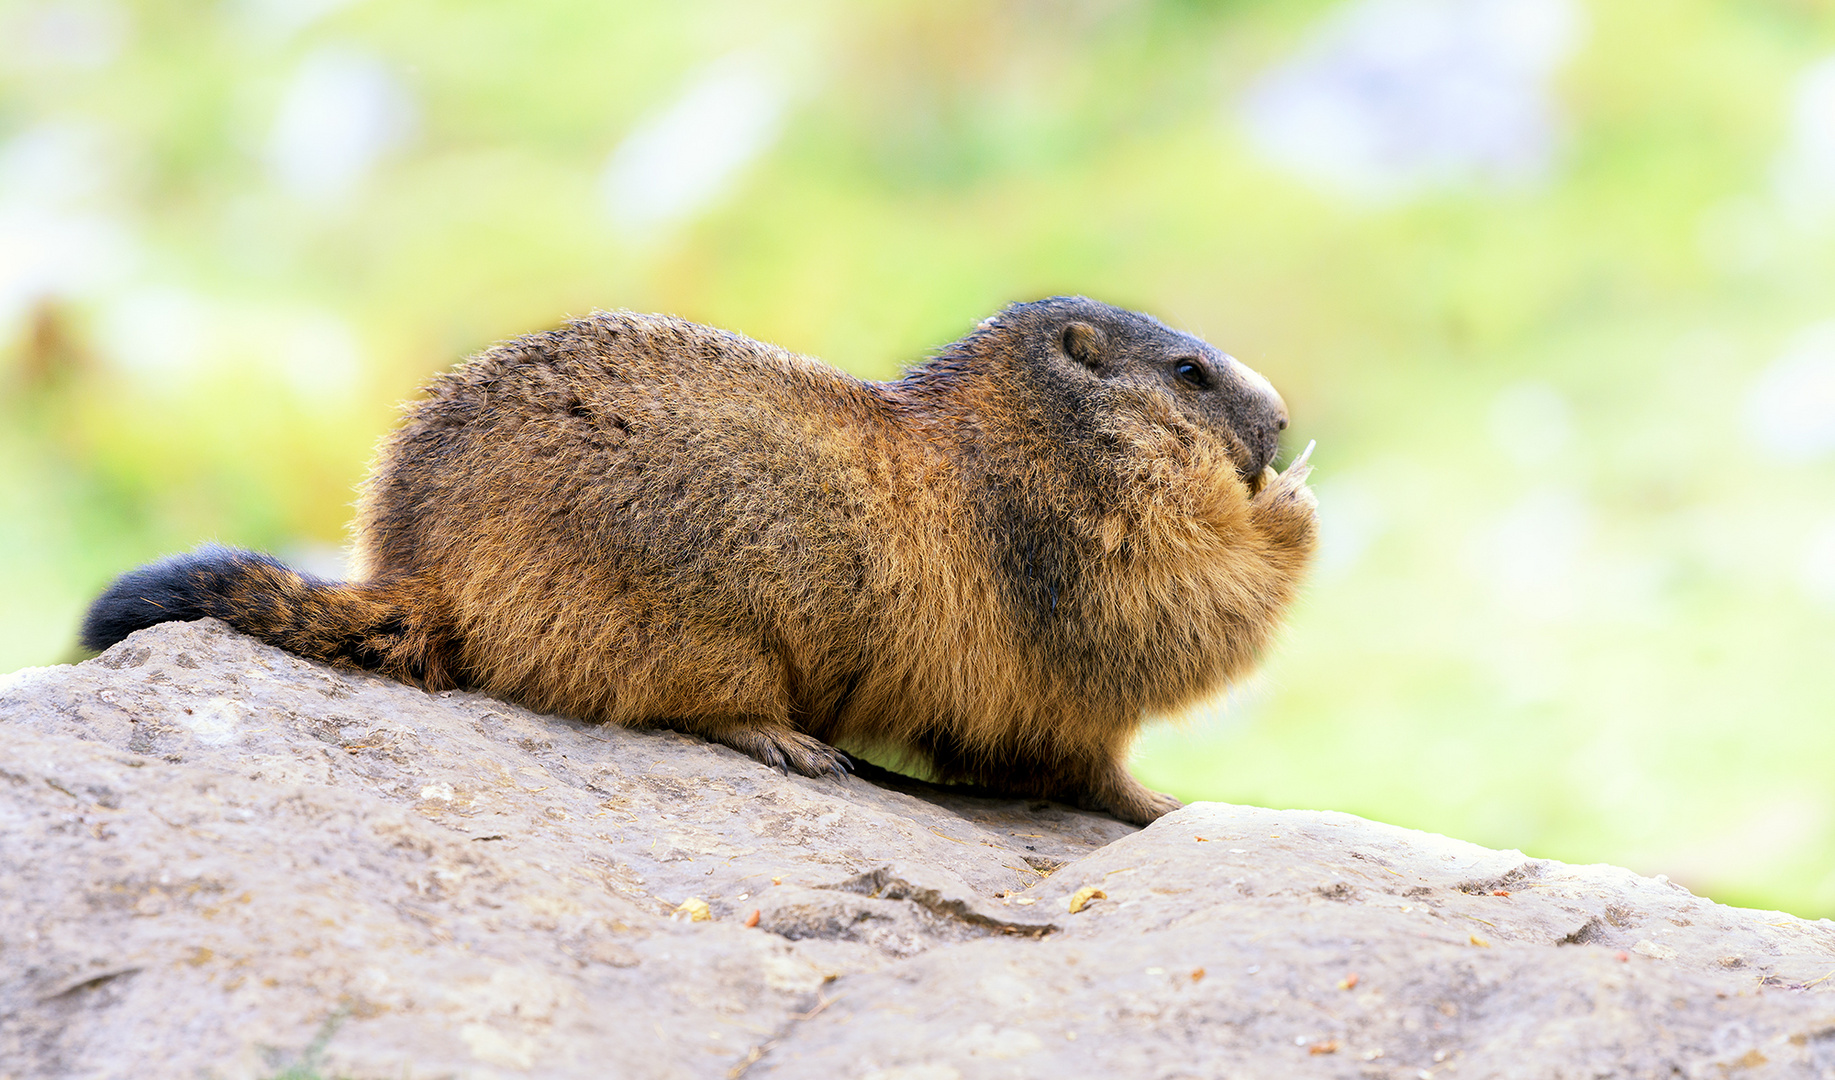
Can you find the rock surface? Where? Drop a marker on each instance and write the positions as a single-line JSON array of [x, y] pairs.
[[219, 860]]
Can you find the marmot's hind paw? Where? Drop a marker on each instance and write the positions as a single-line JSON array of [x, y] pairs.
[[1145, 807], [786, 750], [1129, 800]]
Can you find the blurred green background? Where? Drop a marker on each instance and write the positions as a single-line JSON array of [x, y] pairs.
[[1550, 281]]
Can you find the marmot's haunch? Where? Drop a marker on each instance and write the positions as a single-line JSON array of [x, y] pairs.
[[999, 564]]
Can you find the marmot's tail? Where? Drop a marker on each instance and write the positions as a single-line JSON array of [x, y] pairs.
[[375, 627]]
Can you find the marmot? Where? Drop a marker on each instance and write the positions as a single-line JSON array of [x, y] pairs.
[[1000, 564]]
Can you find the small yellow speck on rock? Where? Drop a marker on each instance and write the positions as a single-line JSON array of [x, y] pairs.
[[694, 909], [1083, 897]]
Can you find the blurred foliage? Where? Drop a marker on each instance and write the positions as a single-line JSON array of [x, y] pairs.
[[1666, 709]]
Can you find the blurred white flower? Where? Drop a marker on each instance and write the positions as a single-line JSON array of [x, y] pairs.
[[54, 164], [1817, 570], [1394, 97], [1531, 556], [54, 242], [1531, 423], [157, 331], [1790, 410], [162, 332], [316, 352], [677, 161], [1805, 172], [341, 113], [81, 34], [46, 254], [1352, 515], [275, 20]]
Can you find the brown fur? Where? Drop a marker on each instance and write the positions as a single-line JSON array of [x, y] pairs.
[[1000, 564]]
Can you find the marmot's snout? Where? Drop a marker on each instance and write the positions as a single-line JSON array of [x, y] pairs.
[[1257, 414]]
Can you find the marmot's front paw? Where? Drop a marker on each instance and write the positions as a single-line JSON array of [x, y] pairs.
[[1285, 503], [1286, 488]]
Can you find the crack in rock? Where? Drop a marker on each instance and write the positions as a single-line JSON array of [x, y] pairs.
[[900, 911], [1509, 881], [1591, 932], [905, 883]]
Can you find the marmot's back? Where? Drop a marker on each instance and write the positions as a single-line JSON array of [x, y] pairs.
[[628, 433], [653, 508], [996, 565]]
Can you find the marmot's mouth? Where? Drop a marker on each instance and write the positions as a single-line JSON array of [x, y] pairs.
[[1255, 472], [1267, 474]]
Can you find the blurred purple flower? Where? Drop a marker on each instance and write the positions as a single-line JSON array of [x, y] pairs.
[[1391, 98]]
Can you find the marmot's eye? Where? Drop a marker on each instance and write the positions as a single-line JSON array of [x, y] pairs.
[[1192, 373]]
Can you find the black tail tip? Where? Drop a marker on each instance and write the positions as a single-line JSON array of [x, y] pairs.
[[178, 588]]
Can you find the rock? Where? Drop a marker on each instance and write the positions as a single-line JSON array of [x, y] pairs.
[[217, 859]]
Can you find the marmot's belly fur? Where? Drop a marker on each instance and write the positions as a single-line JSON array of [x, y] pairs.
[[999, 564]]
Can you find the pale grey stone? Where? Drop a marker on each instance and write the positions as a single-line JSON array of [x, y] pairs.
[[219, 860]]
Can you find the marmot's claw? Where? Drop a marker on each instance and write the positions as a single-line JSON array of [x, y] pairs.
[[782, 748]]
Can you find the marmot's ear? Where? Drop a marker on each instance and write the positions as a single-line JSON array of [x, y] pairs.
[[1084, 343]]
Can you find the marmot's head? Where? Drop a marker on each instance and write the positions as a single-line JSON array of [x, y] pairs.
[[1096, 358]]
